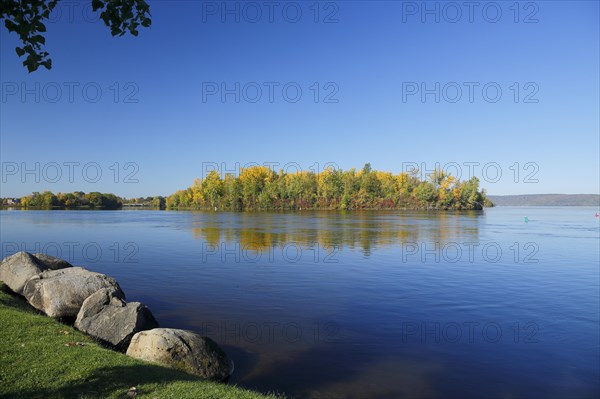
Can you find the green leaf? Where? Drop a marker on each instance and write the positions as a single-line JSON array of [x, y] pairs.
[[10, 25], [20, 51], [38, 39], [47, 64], [30, 64], [96, 4]]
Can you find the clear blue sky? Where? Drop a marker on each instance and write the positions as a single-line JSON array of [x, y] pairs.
[[374, 55]]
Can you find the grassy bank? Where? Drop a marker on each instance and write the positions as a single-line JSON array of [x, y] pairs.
[[42, 358]]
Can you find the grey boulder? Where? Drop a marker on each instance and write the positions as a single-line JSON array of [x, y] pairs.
[[183, 350], [51, 262], [61, 293], [106, 316], [16, 269]]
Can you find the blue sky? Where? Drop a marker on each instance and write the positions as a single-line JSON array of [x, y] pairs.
[[370, 62]]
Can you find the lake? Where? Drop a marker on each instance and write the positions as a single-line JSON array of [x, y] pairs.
[[386, 304]]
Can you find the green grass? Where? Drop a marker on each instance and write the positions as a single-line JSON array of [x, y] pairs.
[[42, 358]]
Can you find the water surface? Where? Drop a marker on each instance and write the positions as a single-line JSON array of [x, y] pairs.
[[362, 304]]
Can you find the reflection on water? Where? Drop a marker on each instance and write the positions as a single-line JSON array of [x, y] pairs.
[[364, 230], [386, 309]]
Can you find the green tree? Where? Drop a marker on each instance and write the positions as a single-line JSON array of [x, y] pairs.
[[232, 192], [369, 184], [212, 188], [173, 201], [103, 201], [387, 185], [253, 181], [70, 200], [351, 182], [330, 187], [346, 203], [425, 192], [159, 202], [46, 200], [269, 197], [471, 197]]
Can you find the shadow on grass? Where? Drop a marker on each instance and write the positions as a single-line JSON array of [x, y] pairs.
[[13, 300], [109, 382]]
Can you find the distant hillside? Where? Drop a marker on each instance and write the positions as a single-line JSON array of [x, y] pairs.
[[546, 200]]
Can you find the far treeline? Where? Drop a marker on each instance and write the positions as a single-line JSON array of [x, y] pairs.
[[80, 200], [261, 188]]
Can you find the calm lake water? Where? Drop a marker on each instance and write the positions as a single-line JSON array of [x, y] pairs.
[[356, 305]]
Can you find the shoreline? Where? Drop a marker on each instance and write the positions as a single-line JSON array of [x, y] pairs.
[[129, 208], [45, 358]]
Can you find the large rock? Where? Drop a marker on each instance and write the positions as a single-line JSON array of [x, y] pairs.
[[51, 262], [60, 293], [15, 270], [183, 350], [105, 315]]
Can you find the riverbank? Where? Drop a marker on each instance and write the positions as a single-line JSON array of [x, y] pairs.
[[42, 358]]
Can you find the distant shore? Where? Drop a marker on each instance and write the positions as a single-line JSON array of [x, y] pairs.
[[546, 200]]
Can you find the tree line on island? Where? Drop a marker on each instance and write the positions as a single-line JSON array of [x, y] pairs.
[[261, 188]]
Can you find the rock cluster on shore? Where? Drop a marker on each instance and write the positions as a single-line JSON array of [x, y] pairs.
[[107, 316], [183, 350], [61, 290]]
